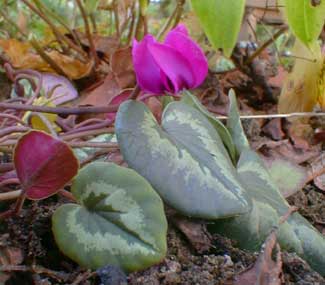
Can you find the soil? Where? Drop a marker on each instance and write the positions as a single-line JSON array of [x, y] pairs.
[[31, 233]]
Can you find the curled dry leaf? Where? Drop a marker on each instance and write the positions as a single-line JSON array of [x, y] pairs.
[[318, 166], [22, 56], [265, 271], [43, 164], [195, 232], [59, 88]]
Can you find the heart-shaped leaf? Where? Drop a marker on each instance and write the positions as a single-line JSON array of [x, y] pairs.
[[191, 100], [221, 21], [120, 220], [305, 20], [185, 160], [43, 164], [268, 206]]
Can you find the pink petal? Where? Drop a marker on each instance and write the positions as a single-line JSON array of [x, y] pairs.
[[181, 29], [146, 69], [176, 70], [179, 40]]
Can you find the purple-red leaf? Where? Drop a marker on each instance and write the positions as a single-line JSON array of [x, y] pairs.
[[43, 164]]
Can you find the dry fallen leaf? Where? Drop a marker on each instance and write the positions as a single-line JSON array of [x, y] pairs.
[[122, 67], [318, 166], [22, 56], [195, 232], [304, 86], [265, 271]]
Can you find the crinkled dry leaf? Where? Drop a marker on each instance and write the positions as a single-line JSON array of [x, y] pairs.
[[195, 232], [265, 271], [122, 67], [318, 166], [22, 56]]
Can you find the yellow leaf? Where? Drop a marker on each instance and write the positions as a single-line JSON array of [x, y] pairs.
[[304, 87], [23, 56], [36, 122]]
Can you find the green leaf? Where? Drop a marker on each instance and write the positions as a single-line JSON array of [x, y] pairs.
[[120, 220], [288, 176], [251, 229], [234, 125], [224, 134], [221, 21], [185, 160], [268, 206], [305, 20]]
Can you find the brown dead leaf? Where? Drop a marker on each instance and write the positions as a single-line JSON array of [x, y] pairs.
[[22, 56], [122, 67], [301, 133], [265, 271], [104, 45], [318, 166], [103, 94], [195, 232], [9, 256], [285, 150], [274, 129]]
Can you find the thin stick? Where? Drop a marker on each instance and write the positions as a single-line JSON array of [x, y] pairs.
[[274, 116], [88, 33], [47, 58], [94, 145], [266, 44], [12, 195], [60, 110], [87, 133]]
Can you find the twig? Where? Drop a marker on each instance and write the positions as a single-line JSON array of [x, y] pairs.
[[12, 195], [99, 125], [266, 44], [14, 129], [9, 181], [61, 38], [60, 110], [94, 145], [88, 33], [169, 21], [116, 19], [87, 133], [13, 117], [274, 116], [47, 58]]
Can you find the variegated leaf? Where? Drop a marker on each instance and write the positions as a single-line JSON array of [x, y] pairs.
[[185, 160], [224, 134], [120, 220], [234, 125], [268, 206]]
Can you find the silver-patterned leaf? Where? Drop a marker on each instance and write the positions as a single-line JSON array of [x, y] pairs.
[[185, 160], [120, 220], [224, 134]]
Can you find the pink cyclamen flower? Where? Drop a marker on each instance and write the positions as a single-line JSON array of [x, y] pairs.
[[178, 63]]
